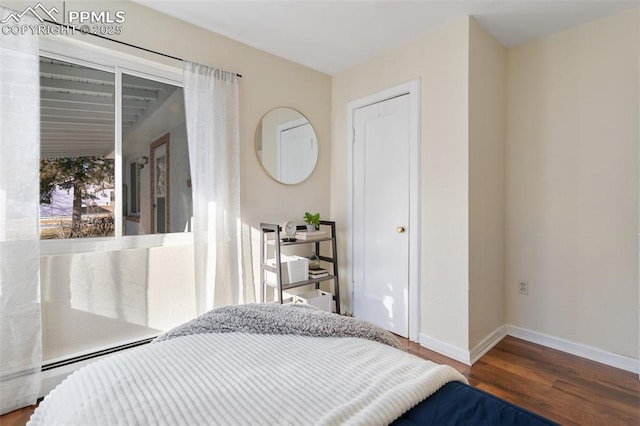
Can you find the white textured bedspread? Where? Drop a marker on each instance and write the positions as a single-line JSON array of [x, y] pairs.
[[246, 379]]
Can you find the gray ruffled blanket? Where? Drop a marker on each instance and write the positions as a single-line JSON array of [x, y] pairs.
[[269, 318]]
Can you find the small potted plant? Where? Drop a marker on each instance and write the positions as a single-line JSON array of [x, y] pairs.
[[312, 221]]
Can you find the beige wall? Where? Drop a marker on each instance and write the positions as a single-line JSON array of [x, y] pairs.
[[440, 60], [572, 184], [487, 127]]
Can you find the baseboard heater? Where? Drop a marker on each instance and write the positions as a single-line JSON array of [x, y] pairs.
[[96, 354]]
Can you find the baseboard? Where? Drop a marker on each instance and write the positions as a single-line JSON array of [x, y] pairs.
[[446, 349], [462, 355], [577, 349], [487, 343], [51, 378], [56, 370]]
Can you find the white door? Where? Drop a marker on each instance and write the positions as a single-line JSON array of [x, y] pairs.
[[297, 152], [381, 213]]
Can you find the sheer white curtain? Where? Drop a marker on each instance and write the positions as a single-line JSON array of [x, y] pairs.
[[213, 130], [20, 323]]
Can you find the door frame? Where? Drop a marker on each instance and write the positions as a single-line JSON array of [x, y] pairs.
[[163, 140], [411, 88]]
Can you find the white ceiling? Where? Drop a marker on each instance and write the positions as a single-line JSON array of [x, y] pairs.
[[331, 36]]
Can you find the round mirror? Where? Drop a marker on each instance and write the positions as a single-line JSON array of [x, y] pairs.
[[286, 145]]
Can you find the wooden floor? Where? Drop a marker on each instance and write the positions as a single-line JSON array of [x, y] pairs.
[[561, 387], [18, 417]]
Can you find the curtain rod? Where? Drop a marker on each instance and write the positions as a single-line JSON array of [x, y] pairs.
[[124, 43]]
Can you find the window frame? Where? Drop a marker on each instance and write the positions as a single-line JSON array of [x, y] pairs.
[[159, 69]]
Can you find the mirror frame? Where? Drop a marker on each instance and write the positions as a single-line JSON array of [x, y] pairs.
[[258, 134]]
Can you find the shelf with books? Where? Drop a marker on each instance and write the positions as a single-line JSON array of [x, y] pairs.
[[318, 273], [271, 272], [311, 235], [285, 242], [297, 284]]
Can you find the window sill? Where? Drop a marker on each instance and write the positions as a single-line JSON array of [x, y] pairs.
[[85, 245]]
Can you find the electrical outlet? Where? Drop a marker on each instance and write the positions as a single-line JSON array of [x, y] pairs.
[[523, 287]]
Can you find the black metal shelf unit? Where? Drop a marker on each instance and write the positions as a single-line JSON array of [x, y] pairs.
[[269, 229]]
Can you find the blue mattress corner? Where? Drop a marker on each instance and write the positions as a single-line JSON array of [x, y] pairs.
[[460, 404]]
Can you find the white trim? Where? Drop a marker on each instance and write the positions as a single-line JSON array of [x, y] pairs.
[[463, 355], [291, 124], [118, 177], [573, 348], [414, 212], [107, 347], [412, 88], [51, 378], [446, 349], [60, 56], [79, 245], [487, 343], [151, 73], [101, 57]]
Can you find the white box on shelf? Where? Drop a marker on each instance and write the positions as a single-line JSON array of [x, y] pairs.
[[318, 298], [294, 269]]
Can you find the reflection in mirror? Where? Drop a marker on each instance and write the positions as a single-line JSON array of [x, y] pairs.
[[286, 145], [155, 158]]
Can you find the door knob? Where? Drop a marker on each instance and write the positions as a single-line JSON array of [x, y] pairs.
[[400, 229]]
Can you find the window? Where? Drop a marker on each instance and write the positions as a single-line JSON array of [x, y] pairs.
[[154, 137], [78, 176], [77, 144], [120, 279]]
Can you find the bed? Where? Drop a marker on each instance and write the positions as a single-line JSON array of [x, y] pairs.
[[263, 364]]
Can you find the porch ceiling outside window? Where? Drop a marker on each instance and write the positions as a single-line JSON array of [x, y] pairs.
[[77, 108]]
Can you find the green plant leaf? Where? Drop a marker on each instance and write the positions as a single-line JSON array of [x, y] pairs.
[[312, 219]]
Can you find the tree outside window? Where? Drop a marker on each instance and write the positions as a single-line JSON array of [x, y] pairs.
[[89, 180]]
